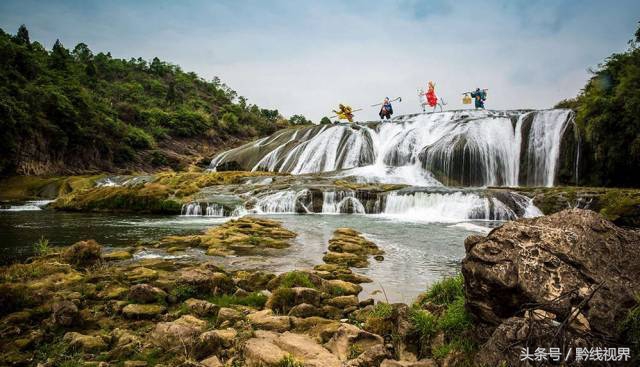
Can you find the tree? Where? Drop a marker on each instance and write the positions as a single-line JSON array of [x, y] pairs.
[[325, 121], [59, 56], [82, 53], [23, 35], [298, 120]]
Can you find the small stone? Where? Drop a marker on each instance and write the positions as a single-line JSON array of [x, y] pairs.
[[85, 343], [342, 301], [229, 315], [142, 274], [65, 313], [212, 361], [265, 320], [201, 308], [137, 311], [117, 256], [145, 293], [304, 310]]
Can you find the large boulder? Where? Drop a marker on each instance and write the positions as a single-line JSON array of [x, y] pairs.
[[570, 264]]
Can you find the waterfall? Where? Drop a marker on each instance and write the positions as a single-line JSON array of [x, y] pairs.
[[214, 210], [454, 148], [191, 209], [455, 207], [341, 202]]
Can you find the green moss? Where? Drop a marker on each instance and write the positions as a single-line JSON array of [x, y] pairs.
[[255, 300], [290, 361], [183, 291], [296, 279]]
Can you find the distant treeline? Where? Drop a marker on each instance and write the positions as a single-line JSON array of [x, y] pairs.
[[608, 116], [74, 108]]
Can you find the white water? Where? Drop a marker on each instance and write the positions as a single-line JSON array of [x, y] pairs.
[[489, 141], [341, 202], [27, 206], [428, 207]]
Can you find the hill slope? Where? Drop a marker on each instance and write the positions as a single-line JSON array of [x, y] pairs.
[[70, 111]]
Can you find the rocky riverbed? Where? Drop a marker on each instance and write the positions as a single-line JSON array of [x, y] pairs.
[[566, 280]]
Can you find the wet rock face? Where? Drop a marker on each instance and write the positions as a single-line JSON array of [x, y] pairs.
[[572, 263]]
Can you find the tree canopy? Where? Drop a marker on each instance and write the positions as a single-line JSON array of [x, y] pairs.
[[608, 116]]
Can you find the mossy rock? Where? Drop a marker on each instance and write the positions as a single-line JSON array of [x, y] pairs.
[[137, 311], [117, 256]]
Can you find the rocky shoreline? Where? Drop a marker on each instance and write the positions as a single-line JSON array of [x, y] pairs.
[[556, 281]]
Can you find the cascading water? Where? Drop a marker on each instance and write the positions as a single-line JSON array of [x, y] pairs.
[[460, 148], [191, 209], [341, 202]]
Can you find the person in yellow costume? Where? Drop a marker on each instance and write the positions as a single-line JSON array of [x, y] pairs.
[[344, 112]]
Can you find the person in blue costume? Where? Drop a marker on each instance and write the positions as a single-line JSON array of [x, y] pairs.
[[386, 110], [479, 97]]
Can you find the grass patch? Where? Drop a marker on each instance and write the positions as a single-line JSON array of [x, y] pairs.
[[381, 310], [455, 318], [255, 300], [445, 291], [425, 323]]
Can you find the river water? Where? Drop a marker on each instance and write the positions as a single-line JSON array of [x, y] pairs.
[[417, 253]]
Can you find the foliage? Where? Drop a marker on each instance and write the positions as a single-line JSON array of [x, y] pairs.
[[453, 321], [89, 111], [445, 291], [299, 120], [325, 121], [296, 279], [381, 310], [424, 322], [630, 330], [41, 247], [290, 361], [255, 300], [607, 114]]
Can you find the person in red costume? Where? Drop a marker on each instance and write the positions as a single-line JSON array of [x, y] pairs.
[[432, 99]]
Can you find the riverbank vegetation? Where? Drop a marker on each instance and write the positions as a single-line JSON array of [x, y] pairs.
[[608, 116]]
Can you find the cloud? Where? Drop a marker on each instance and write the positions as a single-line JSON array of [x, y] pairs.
[[306, 57]]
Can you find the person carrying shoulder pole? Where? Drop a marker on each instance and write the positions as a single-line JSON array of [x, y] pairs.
[[386, 110], [479, 96]]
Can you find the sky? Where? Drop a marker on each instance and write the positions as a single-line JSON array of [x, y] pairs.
[[305, 57]]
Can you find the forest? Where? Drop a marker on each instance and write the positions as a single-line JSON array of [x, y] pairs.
[[71, 111]]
